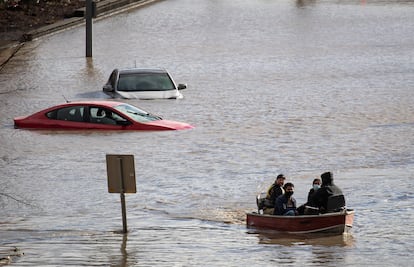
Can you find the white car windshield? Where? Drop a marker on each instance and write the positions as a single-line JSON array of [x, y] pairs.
[[144, 82], [136, 114]]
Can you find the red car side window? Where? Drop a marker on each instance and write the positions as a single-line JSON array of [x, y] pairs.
[[67, 114]]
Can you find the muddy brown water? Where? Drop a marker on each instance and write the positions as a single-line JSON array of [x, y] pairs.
[[293, 87]]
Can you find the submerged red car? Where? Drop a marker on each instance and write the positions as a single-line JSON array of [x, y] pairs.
[[97, 115]]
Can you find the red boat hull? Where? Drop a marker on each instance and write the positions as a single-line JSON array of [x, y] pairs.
[[338, 222]]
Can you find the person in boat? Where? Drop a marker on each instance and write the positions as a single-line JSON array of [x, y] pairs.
[[275, 190], [316, 184], [328, 198], [286, 203]]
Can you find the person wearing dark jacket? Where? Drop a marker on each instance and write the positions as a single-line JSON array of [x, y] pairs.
[[286, 204], [328, 198], [316, 184]]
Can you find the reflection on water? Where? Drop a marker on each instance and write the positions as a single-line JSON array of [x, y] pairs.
[[323, 249], [124, 254], [277, 238]]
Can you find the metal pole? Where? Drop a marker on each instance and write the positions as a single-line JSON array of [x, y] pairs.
[[88, 28], [124, 218]]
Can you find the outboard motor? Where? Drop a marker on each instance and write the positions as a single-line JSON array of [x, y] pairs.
[[261, 202]]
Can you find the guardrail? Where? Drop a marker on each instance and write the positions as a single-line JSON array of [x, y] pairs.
[[103, 8]]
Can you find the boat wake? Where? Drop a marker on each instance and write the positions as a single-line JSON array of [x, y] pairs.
[[226, 216]]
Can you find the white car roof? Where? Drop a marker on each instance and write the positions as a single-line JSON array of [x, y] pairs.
[[142, 70]]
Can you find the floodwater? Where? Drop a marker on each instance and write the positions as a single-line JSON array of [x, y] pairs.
[[293, 87]]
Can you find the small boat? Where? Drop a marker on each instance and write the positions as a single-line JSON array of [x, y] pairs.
[[338, 221], [332, 223]]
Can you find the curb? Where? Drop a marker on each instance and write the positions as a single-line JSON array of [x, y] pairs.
[[104, 8]]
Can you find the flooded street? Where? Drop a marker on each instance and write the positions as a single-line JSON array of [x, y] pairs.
[[293, 87]]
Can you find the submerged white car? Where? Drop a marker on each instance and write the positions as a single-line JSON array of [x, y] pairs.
[[141, 83]]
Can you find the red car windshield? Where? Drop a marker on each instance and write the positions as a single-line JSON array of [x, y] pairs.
[[136, 114]]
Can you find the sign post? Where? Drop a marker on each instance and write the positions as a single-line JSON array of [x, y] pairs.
[[88, 16], [121, 179]]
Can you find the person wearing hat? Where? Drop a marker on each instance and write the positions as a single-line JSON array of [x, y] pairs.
[[275, 190], [328, 198]]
